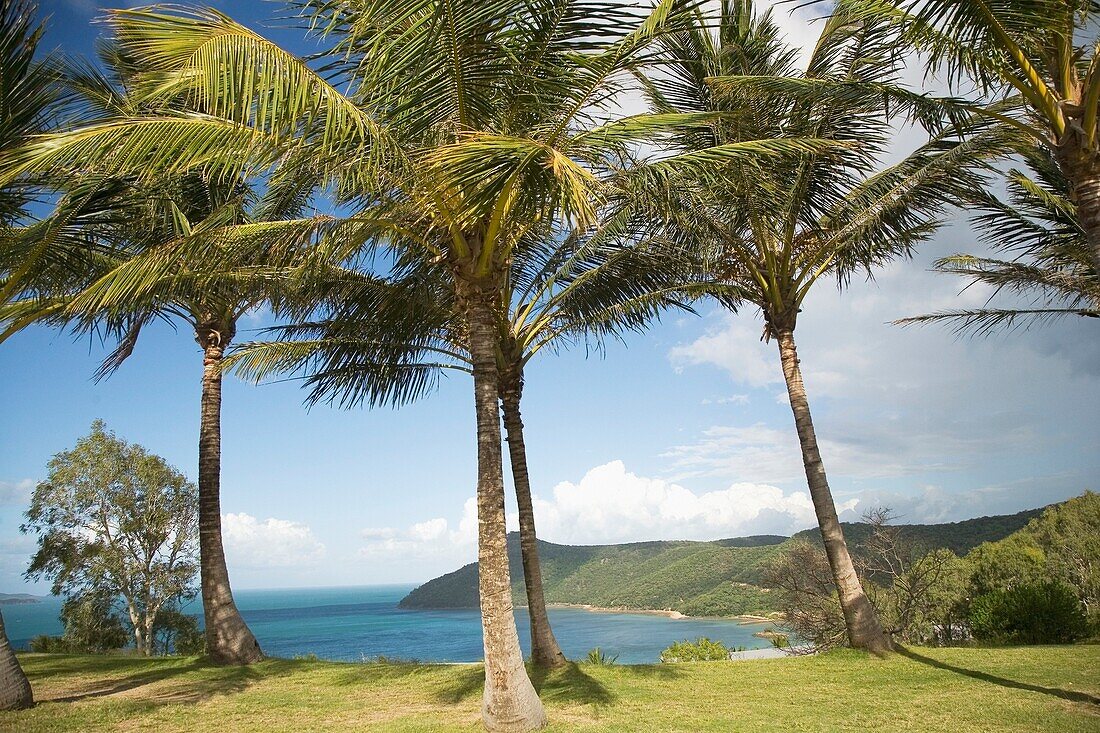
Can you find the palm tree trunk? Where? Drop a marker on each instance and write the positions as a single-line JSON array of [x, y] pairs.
[[1082, 169], [228, 638], [545, 651], [15, 688], [864, 630], [509, 702]]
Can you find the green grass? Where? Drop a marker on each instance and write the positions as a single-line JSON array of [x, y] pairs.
[[957, 690]]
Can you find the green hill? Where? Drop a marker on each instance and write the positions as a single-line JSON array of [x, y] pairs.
[[719, 578], [959, 537]]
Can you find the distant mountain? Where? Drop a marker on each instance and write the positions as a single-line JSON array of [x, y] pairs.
[[16, 599], [719, 578]]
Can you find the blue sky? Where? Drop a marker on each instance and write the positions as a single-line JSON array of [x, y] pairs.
[[680, 433]]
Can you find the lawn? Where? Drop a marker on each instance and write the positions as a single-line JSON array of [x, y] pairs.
[[956, 690]]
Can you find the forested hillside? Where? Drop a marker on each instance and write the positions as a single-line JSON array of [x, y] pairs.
[[717, 578]]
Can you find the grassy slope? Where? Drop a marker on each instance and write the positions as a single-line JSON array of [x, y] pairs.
[[677, 575], [961, 690], [696, 578]]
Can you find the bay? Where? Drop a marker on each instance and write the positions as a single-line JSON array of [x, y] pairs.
[[360, 623]]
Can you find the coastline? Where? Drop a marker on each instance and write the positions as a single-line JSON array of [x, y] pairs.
[[745, 619]]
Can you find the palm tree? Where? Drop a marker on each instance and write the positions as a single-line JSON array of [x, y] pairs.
[[150, 236], [1043, 78], [450, 128], [1052, 264], [388, 345], [767, 236], [119, 252], [15, 689], [28, 92]]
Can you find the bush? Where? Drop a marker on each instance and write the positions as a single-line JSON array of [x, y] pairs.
[[177, 633], [92, 625], [45, 644], [700, 650], [1033, 613], [598, 658]]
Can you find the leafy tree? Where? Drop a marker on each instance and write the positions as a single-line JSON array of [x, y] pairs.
[[1069, 534], [93, 624], [767, 236], [113, 521], [178, 633], [1037, 63], [1046, 612], [1015, 560]]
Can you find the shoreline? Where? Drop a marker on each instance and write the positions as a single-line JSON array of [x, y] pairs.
[[744, 619]]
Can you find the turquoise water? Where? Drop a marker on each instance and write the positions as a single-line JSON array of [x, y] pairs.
[[356, 623]]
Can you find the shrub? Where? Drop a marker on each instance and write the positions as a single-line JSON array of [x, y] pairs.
[[780, 641], [1033, 613], [597, 657], [700, 650], [45, 644]]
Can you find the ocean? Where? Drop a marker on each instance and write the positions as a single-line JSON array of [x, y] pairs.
[[353, 624]]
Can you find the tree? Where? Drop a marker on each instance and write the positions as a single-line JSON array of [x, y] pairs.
[[448, 127], [386, 344], [766, 236], [1037, 75], [27, 92], [919, 594], [119, 252], [114, 521], [1051, 266]]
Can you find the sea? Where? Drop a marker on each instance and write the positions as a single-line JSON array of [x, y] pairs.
[[363, 623]]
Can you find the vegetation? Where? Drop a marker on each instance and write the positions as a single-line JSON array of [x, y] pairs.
[[1036, 67], [1031, 613], [1036, 586], [765, 238], [700, 650], [1051, 265], [598, 658], [491, 195], [720, 578], [113, 522], [963, 690]]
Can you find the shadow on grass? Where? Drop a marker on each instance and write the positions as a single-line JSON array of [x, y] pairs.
[[462, 684], [1071, 695], [191, 680], [570, 684]]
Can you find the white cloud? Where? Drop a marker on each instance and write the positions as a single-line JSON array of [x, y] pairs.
[[609, 504], [428, 531], [269, 543], [16, 493], [737, 399]]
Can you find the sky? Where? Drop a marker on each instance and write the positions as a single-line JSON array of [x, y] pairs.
[[682, 432]]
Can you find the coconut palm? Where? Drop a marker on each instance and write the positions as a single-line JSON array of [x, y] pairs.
[[450, 128], [1051, 266], [767, 236], [146, 235], [388, 345], [1039, 60], [28, 93]]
